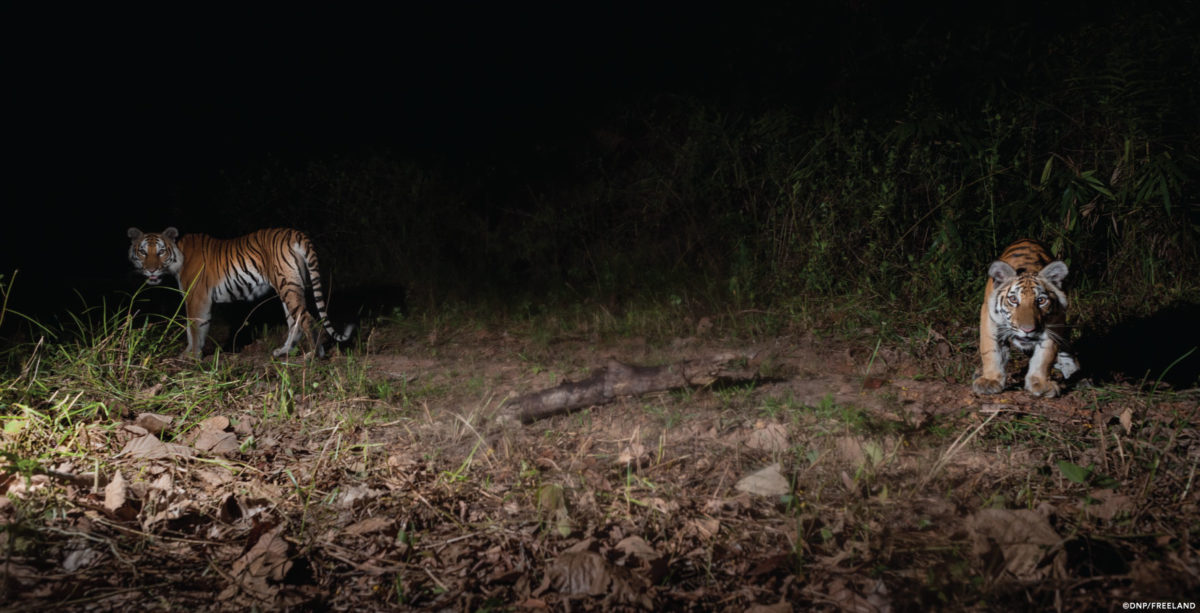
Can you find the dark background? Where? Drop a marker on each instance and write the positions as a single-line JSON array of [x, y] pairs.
[[121, 119], [112, 116], [191, 119]]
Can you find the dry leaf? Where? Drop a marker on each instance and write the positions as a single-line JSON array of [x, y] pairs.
[[355, 493], [19, 486], [81, 558], [849, 484], [1127, 420], [766, 482], [218, 423], [1111, 505], [135, 429], [151, 391], [21, 574], [214, 477], [117, 499], [259, 571], [150, 448], [705, 528], [637, 546], [633, 453], [849, 597], [666, 507], [585, 573], [369, 525], [217, 442], [153, 423], [164, 483], [115, 492], [262, 490], [243, 427], [851, 450], [1024, 538], [779, 607], [770, 438], [173, 512]]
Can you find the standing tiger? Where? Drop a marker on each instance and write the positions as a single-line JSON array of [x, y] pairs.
[[1024, 305], [245, 268]]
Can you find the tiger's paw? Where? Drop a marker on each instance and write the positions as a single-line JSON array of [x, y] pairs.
[[984, 385], [1039, 386]]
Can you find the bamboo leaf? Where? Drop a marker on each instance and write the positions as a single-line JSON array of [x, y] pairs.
[[1046, 170]]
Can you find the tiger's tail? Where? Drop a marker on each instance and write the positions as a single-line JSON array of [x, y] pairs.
[[314, 277]]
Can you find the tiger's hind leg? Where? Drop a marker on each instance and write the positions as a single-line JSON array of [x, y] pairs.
[[298, 319]]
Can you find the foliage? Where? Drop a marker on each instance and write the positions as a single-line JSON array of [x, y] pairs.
[[1082, 134]]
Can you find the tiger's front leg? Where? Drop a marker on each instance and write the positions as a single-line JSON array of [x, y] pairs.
[[993, 355], [199, 316], [1037, 380]]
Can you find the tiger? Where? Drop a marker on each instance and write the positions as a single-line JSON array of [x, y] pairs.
[[212, 270], [1024, 305]]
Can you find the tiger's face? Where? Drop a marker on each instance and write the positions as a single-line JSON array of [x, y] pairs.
[[154, 254], [1026, 304]]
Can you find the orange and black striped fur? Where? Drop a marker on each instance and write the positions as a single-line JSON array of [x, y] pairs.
[[1024, 306], [245, 268]]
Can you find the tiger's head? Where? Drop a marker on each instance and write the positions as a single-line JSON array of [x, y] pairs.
[[155, 254], [1027, 304]]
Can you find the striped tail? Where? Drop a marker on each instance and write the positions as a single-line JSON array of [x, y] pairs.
[[314, 277]]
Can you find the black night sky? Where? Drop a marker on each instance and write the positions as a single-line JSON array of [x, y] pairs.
[[186, 96], [110, 114], [169, 97]]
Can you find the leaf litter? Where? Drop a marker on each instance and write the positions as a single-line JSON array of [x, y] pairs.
[[818, 486]]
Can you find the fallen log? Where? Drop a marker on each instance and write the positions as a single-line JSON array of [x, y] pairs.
[[617, 379]]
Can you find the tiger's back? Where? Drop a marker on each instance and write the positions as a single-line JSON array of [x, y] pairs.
[[1024, 307], [244, 268]]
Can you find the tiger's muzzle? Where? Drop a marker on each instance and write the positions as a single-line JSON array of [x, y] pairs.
[[1026, 340]]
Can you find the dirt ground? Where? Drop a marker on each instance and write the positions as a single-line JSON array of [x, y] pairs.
[[843, 476]]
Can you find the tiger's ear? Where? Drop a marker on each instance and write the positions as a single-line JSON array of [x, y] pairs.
[[1000, 272], [134, 233], [1055, 272], [171, 233]]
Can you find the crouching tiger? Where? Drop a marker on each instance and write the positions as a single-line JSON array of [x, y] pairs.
[[245, 268], [1024, 305]]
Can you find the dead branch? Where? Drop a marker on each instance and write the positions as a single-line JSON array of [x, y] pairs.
[[617, 379]]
